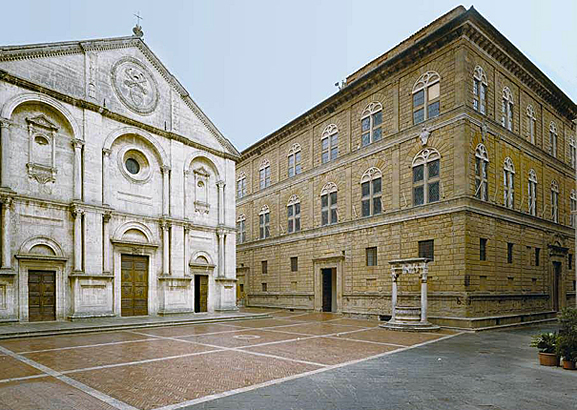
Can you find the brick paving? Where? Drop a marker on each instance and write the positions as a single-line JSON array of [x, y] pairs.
[[174, 366]]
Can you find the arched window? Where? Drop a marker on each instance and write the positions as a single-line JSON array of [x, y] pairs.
[[426, 97], [508, 183], [294, 160], [573, 208], [507, 109], [532, 192], [572, 152], [330, 143], [553, 139], [264, 222], [371, 191], [480, 90], [555, 201], [241, 185], [264, 174], [241, 229], [329, 212], [294, 214], [481, 162], [426, 176], [371, 120], [531, 120]]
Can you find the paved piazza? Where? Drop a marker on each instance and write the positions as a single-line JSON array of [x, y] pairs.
[[177, 366]]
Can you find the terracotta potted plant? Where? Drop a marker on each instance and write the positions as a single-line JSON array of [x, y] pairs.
[[547, 344], [567, 341]]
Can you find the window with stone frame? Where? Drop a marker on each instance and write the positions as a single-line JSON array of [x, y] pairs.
[[241, 186], [264, 222], [371, 256], [531, 121], [507, 109], [510, 252], [480, 90], [264, 174], [371, 121], [555, 201], [482, 249], [294, 264], [537, 256], [264, 287], [426, 177], [329, 211], [264, 267], [481, 164], [572, 152], [573, 199], [330, 143], [532, 192], [241, 229], [294, 214], [553, 139], [294, 160], [508, 183], [426, 97], [427, 249], [371, 192]]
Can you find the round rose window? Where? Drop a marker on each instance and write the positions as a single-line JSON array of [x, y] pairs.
[[132, 166]]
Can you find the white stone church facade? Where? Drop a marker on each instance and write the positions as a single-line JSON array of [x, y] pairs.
[[117, 192]]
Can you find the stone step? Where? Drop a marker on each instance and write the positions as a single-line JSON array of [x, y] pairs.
[[21, 330]]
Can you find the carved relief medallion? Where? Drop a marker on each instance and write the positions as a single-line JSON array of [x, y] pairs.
[[135, 85]]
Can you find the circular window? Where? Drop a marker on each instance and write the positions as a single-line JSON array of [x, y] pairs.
[[135, 165], [132, 166]]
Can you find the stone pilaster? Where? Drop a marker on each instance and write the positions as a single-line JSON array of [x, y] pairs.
[[106, 242], [221, 273], [6, 233], [165, 189], [77, 144], [77, 214], [4, 166], [105, 176], [165, 226], [221, 205]]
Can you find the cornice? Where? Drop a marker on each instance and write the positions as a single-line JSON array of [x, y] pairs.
[[450, 206], [78, 102]]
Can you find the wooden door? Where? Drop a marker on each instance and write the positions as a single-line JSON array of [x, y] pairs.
[[134, 286], [200, 293], [41, 296], [327, 290]]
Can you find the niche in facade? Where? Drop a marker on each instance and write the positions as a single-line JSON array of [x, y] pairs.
[[201, 190], [41, 149]]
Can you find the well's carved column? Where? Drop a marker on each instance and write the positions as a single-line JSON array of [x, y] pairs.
[[424, 270], [106, 242], [165, 226], [77, 144], [77, 215], [105, 176], [4, 169], [394, 277], [220, 185], [6, 233], [165, 189]]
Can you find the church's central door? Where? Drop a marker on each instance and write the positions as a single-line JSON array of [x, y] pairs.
[[134, 293]]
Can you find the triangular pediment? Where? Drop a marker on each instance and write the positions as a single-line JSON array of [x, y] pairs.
[[121, 75], [42, 121]]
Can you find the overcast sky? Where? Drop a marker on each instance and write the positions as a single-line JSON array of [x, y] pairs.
[[254, 65]]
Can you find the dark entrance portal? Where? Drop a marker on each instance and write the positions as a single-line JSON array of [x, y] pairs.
[[200, 293], [327, 275], [41, 296], [556, 284]]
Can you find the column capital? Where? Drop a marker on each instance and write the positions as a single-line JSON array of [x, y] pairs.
[[164, 225], [165, 169], [4, 123], [106, 152], [106, 216], [6, 200], [76, 211], [220, 184], [77, 143], [186, 172]]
